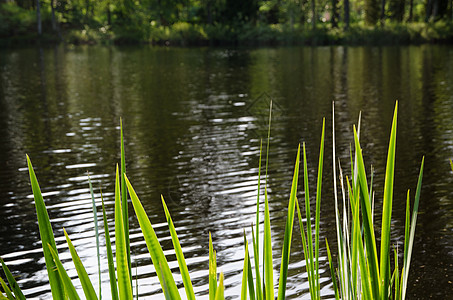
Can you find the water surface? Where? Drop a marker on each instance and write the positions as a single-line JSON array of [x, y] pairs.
[[193, 120]]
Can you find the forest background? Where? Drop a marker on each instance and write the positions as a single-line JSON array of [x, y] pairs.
[[227, 22]]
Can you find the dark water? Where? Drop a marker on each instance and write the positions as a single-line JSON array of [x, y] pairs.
[[193, 121]]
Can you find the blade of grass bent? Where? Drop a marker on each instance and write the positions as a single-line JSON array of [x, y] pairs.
[[8, 292], [87, 286], [47, 237], [112, 276], [212, 271], [124, 205], [155, 250], [288, 232], [387, 210], [179, 255], [408, 251], [12, 282], [124, 280], [68, 286], [96, 230]]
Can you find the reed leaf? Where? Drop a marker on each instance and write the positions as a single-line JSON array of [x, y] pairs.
[[179, 255], [332, 272], [68, 286], [212, 271], [245, 270], [12, 282], [288, 232], [155, 250], [124, 281], [96, 230], [249, 272], [87, 286], [306, 253], [124, 205], [256, 242], [9, 294], [112, 276], [220, 289], [387, 210], [268, 275], [47, 237]]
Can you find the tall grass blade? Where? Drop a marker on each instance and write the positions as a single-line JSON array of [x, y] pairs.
[[124, 205], [332, 272], [387, 210], [12, 282], [179, 255], [154, 248], [288, 232], [47, 237], [306, 254], [68, 286], [318, 208], [212, 271], [8, 292], [309, 254], [245, 270], [256, 242], [249, 272], [267, 253], [96, 230], [370, 240], [410, 245], [87, 286], [451, 164], [122, 269], [220, 289], [112, 276]]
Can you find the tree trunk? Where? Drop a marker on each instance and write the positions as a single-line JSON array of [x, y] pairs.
[[54, 21], [334, 14], [313, 13], [382, 12], [411, 6], [38, 17], [346, 14], [109, 14]]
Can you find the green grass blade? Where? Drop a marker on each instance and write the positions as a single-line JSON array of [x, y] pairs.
[[81, 272], [12, 282], [68, 286], [249, 272], [124, 280], [47, 237], [332, 272], [256, 242], [220, 289], [124, 205], [154, 248], [310, 263], [245, 270], [288, 232], [318, 208], [308, 266], [267, 253], [96, 230], [387, 210], [179, 255], [8, 292], [408, 250], [212, 271], [396, 276], [112, 276], [370, 240], [451, 164]]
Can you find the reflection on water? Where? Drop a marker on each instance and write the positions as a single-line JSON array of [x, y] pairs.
[[193, 123]]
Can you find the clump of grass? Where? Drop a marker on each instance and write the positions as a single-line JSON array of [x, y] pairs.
[[360, 273]]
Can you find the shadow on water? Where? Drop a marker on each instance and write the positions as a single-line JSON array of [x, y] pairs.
[[193, 123]]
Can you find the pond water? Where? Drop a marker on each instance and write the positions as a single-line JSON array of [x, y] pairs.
[[193, 119]]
